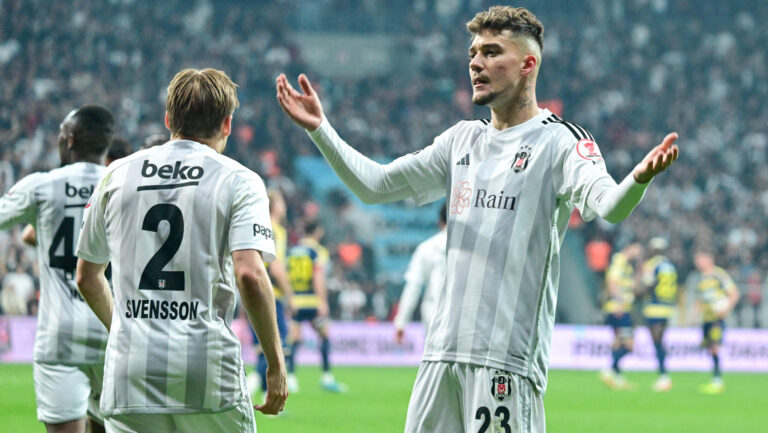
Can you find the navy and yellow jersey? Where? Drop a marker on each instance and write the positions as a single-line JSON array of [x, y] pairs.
[[303, 261], [713, 290], [281, 245], [660, 275], [621, 274]]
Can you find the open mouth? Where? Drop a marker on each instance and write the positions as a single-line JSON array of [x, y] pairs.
[[479, 82]]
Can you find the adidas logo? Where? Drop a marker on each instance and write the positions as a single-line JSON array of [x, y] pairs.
[[464, 161]]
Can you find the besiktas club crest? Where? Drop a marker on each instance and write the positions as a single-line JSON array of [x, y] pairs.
[[501, 385], [521, 159]]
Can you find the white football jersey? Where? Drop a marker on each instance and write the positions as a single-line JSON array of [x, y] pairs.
[[169, 218], [68, 332], [512, 193], [425, 271]]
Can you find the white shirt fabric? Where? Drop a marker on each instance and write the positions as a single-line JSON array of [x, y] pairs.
[[68, 332], [426, 271], [511, 195], [18, 288], [169, 218]]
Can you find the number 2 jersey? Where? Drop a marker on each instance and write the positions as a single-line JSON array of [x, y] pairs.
[[68, 332], [169, 218]]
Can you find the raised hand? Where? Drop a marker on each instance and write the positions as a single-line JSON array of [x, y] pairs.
[[657, 160], [304, 108]]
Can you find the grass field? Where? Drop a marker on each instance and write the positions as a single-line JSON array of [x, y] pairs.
[[576, 402]]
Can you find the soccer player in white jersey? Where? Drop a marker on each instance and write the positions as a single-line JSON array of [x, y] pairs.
[[182, 225], [70, 341], [513, 182], [426, 270]]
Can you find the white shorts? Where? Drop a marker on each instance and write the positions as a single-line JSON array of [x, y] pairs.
[[455, 397], [67, 392], [238, 419]]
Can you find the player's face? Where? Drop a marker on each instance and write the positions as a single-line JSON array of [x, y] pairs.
[[495, 67], [703, 261]]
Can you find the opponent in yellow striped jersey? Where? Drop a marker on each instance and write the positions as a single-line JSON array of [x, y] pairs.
[[307, 267], [717, 294], [620, 295], [660, 282]]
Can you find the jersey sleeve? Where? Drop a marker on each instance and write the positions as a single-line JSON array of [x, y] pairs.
[[249, 225], [18, 204], [426, 170], [92, 243], [727, 282], [583, 169], [323, 258]]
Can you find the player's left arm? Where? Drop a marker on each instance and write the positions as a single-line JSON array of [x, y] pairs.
[[733, 294], [94, 288], [320, 270], [321, 290], [93, 257], [617, 202]]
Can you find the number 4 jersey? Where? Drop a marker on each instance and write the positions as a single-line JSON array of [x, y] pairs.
[[168, 219], [67, 330]]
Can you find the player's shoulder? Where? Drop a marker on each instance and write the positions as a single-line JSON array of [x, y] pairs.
[[77, 169], [30, 182], [619, 257], [465, 128], [720, 273], [565, 130]]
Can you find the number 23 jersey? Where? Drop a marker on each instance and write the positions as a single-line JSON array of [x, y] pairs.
[[68, 332], [169, 218]]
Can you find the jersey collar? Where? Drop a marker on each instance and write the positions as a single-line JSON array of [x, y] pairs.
[[529, 124]]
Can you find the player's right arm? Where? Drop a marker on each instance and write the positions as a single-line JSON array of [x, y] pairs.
[[28, 236], [415, 278], [280, 274], [421, 176], [18, 204], [259, 302]]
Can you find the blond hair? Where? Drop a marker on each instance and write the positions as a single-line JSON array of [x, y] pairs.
[[519, 21], [199, 101]]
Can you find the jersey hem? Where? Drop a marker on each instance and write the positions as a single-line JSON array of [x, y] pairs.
[[170, 410], [519, 368]]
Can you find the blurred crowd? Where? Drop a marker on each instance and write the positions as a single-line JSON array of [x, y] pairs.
[[628, 70]]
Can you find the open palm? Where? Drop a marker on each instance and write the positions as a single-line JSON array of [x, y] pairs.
[[657, 160], [304, 108]]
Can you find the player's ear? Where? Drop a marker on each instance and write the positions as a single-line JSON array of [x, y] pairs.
[[167, 122], [529, 64], [226, 126]]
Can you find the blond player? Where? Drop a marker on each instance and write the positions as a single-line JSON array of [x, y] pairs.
[[184, 228]]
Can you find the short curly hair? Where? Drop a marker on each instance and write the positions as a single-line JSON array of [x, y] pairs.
[[520, 21]]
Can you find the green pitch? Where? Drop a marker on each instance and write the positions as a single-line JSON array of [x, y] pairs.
[[576, 402]]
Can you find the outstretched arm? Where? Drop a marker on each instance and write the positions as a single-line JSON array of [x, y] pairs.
[[615, 202], [368, 180]]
